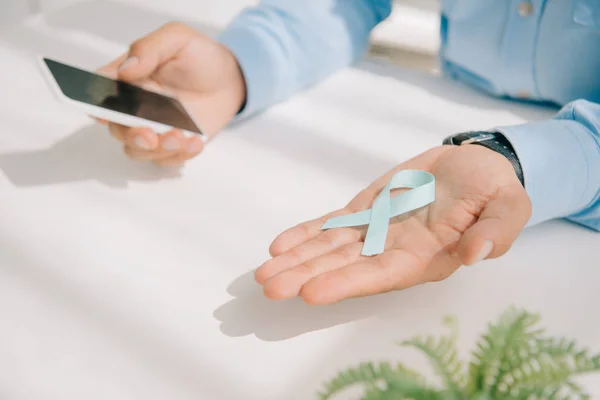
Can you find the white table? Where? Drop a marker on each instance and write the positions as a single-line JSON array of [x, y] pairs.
[[122, 281]]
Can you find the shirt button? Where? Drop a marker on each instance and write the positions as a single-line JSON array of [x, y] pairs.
[[525, 9]]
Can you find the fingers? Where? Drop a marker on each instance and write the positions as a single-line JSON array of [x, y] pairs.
[[498, 226], [136, 138], [330, 267], [289, 283], [100, 121], [150, 52], [321, 244], [301, 233], [111, 70], [143, 144], [394, 269], [188, 149]]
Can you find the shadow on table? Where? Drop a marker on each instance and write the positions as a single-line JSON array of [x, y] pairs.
[[135, 336], [251, 313], [88, 154], [314, 148]]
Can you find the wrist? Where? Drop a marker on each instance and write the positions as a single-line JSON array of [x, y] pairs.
[[494, 141], [236, 87]]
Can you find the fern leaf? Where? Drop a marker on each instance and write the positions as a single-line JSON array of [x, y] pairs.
[[402, 392], [514, 361], [534, 360], [559, 368], [442, 355], [523, 359], [370, 375], [500, 349], [551, 392]]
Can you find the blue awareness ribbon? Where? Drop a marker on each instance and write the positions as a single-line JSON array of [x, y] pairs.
[[384, 208]]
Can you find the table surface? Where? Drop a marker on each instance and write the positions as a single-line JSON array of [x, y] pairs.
[[124, 281]]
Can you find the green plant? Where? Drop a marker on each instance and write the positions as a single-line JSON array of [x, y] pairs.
[[513, 360]]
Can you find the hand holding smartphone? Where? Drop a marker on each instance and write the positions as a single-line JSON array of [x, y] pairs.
[[117, 101]]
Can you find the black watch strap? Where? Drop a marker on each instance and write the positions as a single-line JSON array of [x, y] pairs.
[[495, 141]]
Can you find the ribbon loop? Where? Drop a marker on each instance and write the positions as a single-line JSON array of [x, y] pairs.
[[384, 208]]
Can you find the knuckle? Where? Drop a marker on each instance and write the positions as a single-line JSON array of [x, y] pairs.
[[303, 231], [311, 268], [328, 238], [297, 253], [310, 297], [129, 152], [171, 164], [175, 26], [346, 253], [349, 235], [268, 265], [138, 45], [117, 130], [502, 246]]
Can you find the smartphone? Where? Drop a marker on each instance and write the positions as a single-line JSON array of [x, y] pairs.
[[117, 101]]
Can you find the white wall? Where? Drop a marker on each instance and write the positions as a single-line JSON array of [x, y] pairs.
[[12, 11], [413, 25], [226, 7], [424, 4]]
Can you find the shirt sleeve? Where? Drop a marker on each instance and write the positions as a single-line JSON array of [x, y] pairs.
[[283, 46], [561, 164]]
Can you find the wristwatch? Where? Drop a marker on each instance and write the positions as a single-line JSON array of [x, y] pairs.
[[494, 141]]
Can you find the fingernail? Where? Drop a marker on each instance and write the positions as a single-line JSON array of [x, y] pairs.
[[485, 251], [170, 143], [142, 143], [128, 63], [194, 147]]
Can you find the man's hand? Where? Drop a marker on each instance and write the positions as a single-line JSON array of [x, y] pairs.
[[479, 211], [178, 61]]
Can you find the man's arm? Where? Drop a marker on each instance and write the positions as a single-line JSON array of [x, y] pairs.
[[283, 46], [561, 164]]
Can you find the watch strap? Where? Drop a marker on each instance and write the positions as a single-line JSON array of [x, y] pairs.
[[494, 141]]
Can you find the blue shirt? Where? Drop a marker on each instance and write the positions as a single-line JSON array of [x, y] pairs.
[[544, 50]]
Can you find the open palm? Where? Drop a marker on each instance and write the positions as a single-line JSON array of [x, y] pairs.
[[479, 211]]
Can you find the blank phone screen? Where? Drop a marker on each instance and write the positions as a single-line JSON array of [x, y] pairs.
[[114, 95]]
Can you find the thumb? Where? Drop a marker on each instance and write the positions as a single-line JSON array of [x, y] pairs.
[[111, 70], [498, 226], [150, 52]]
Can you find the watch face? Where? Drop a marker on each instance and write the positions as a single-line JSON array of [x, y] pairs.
[[448, 140], [469, 137]]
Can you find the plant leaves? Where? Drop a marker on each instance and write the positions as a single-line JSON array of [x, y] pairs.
[[513, 360], [442, 355], [369, 375]]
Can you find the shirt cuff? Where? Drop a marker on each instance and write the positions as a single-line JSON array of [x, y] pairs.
[[259, 62], [560, 162]]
